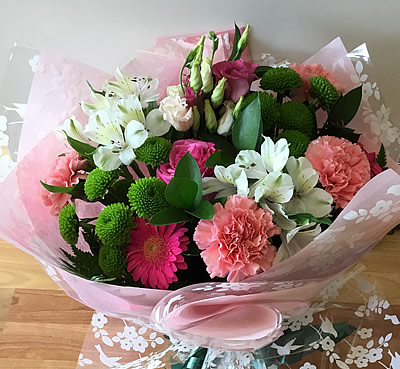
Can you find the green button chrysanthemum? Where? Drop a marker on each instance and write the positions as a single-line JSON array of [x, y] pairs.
[[268, 104], [68, 224], [324, 91], [295, 115], [154, 151], [298, 142], [147, 196], [280, 80], [112, 261], [98, 182], [114, 223]]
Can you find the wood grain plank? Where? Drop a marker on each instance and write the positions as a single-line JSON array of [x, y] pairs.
[[6, 295], [36, 364]]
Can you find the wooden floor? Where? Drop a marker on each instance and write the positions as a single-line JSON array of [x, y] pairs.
[[41, 327]]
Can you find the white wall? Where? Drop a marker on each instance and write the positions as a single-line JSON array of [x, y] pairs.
[[106, 33]]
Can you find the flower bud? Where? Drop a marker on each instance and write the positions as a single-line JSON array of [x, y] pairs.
[[196, 119], [244, 39], [200, 49], [211, 120], [195, 78], [195, 51], [218, 94], [206, 75], [238, 108], [226, 120]]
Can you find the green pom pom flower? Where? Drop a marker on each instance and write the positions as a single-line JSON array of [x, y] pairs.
[[112, 261], [147, 196], [324, 91], [154, 151], [298, 142], [280, 80], [295, 115], [114, 223], [68, 224], [98, 182], [268, 104]]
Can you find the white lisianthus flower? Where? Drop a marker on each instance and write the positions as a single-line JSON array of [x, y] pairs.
[[176, 111], [118, 146], [142, 87], [307, 198], [226, 120]]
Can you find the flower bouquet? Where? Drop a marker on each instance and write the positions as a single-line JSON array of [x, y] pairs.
[[202, 195]]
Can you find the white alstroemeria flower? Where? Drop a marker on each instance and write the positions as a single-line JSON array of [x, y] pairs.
[[73, 128], [118, 147], [275, 187], [226, 120], [131, 109], [307, 199], [99, 102], [142, 87], [228, 181], [280, 217]]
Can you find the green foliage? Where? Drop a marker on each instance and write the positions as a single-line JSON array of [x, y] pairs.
[[154, 151], [112, 261], [324, 91], [234, 55], [98, 182], [169, 216], [346, 107], [295, 115], [302, 218], [340, 131], [220, 158], [203, 211], [183, 193], [280, 80], [298, 142], [83, 149], [114, 223], [147, 196], [68, 224], [381, 159], [261, 69], [247, 129]]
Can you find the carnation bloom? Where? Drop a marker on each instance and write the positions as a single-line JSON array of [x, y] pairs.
[[343, 167], [65, 172], [200, 150], [176, 111], [235, 241], [306, 71], [154, 254]]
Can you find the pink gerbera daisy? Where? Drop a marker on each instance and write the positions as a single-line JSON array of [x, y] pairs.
[[154, 254]]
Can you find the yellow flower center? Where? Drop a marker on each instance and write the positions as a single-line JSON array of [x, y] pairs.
[[153, 249]]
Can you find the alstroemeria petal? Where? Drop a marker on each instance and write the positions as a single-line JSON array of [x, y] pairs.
[[228, 174], [318, 202], [104, 128], [213, 185], [275, 156], [306, 181], [135, 134], [127, 155], [155, 123], [106, 159], [252, 163], [275, 187], [130, 109], [280, 217]]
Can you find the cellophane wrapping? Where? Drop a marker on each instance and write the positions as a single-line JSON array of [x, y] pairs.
[[234, 320]]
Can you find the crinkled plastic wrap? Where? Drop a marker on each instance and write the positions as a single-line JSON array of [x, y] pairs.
[[234, 317]]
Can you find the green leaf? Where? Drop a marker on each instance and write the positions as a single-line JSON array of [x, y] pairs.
[[183, 193], [346, 107], [81, 148], [247, 128], [169, 216], [235, 43], [301, 218], [220, 142], [220, 158], [204, 211], [76, 191], [340, 131], [381, 159], [260, 70]]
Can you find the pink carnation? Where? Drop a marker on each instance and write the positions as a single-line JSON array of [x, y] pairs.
[[306, 71], [343, 167], [154, 254], [65, 172], [200, 150], [235, 241]]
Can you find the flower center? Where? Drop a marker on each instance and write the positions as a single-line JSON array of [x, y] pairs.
[[153, 249]]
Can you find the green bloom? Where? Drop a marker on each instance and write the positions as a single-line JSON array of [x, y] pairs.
[[196, 119], [268, 104], [324, 91], [147, 196], [112, 261], [154, 151], [295, 115], [217, 95], [98, 182], [244, 39], [280, 80], [206, 75], [68, 224], [211, 120], [298, 142], [238, 108], [114, 223], [195, 78]]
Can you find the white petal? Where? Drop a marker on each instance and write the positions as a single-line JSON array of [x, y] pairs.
[[135, 134], [104, 128], [131, 109], [155, 123], [226, 120], [277, 187], [105, 158], [252, 162], [306, 181], [228, 174], [317, 202], [127, 155], [280, 217], [213, 185], [242, 184], [74, 129], [275, 156]]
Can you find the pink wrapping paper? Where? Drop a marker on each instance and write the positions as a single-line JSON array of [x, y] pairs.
[[199, 314]]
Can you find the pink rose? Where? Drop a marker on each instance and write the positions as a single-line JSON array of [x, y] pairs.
[[239, 75], [200, 150], [65, 172]]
